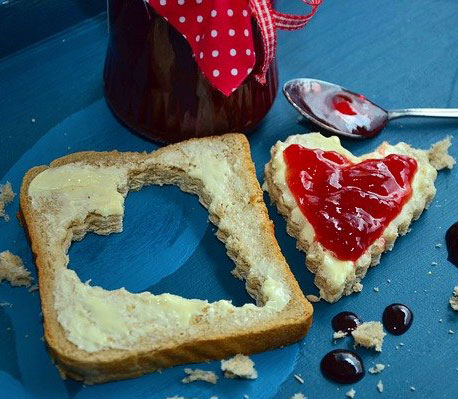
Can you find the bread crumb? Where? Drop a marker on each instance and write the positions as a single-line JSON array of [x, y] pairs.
[[369, 335], [313, 298], [239, 366], [412, 388], [6, 196], [454, 299], [376, 289], [351, 393], [33, 288], [339, 334], [438, 155], [199, 375], [246, 396], [357, 287], [378, 368], [451, 332], [388, 280], [298, 396], [299, 378], [12, 269], [434, 263], [438, 245], [380, 386], [440, 320], [213, 397]]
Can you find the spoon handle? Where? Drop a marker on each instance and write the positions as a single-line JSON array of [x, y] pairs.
[[425, 112]]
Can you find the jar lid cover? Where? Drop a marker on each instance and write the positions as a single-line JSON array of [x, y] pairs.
[[221, 38]]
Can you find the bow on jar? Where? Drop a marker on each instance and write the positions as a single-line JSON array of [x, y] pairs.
[[221, 37]]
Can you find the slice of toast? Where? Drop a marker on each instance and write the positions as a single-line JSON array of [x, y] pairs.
[[335, 277], [96, 335]]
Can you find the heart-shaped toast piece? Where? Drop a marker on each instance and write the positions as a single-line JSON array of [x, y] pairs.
[[345, 211]]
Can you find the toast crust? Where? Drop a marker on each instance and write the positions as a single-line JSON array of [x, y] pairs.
[[320, 261], [160, 167]]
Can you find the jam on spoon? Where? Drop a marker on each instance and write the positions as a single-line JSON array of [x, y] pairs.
[[451, 238], [345, 321], [342, 366], [344, 112], [336, 107], [397, 318]]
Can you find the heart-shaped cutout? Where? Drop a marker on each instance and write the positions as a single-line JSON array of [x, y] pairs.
[[162, 229], [99, 335], [348, 205]]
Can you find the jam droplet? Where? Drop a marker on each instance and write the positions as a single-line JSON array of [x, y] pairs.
[[345, 321], [349, 205], [339, 108], [397, 318], [451, 238], [342, 366]]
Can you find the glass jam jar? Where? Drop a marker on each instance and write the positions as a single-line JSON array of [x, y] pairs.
[[155, 87]]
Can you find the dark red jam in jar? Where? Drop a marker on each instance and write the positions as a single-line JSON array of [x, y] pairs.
[[336, 107], [155, 87]]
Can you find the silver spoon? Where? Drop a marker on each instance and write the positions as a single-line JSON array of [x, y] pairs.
[[346, 113]]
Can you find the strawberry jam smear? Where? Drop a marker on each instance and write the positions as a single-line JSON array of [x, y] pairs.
[[349, 205]]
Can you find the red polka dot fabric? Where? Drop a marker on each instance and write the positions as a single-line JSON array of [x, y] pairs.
[[219, 33]]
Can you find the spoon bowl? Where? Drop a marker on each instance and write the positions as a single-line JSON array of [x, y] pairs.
[[347, 113]]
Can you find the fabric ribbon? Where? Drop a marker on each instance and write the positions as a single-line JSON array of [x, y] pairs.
[[221, 38]]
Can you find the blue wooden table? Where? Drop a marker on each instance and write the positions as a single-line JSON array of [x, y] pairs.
[[398, 54]]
